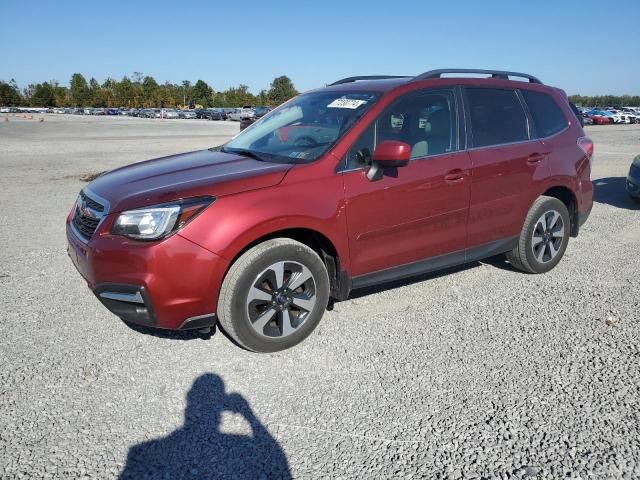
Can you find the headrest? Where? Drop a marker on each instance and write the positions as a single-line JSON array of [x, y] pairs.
[[438, 124]]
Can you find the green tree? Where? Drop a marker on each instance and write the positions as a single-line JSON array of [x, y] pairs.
[[96, 94], [42, 95], [262, 98], [10, 94], [202, 94], [149, 91], [79, 90], [109, 93], [281, 90], [125, 92]]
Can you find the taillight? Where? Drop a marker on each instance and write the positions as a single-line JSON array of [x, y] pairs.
[[586, 145]]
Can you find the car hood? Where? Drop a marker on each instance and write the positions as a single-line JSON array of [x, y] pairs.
[[185, 175]]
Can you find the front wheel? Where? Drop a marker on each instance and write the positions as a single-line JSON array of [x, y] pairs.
[[544, 236], [273, 296]]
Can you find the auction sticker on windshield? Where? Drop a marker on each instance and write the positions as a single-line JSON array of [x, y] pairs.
[[346, 103]]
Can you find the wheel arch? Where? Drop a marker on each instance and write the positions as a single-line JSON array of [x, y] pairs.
[[569, 198], [339, 278]]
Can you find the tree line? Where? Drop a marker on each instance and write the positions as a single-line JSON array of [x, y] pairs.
[[143, 91], [140, 91], [606, 101]]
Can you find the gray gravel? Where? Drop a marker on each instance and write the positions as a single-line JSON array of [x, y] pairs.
[[481, 372]]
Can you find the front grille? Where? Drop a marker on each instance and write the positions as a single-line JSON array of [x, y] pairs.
[[87, 215], [91, 203]]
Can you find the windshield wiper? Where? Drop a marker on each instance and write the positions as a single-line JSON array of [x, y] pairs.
[[244, 153]]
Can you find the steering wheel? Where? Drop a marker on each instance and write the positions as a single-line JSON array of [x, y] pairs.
[[305, 142]]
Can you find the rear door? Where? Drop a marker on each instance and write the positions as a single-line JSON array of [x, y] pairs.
[[506, 160], [412, 212]]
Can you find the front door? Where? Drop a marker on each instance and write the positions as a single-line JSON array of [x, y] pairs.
[[417, 211]]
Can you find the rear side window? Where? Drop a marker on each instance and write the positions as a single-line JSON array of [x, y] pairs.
[[496, 117], [546, 114]]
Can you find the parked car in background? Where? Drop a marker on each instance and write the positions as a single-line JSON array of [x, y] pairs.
[[631, 114], [623, 117], [188, 114], [215, 114], [600, 117], [356, 184], [586, 120], [238, 113], [614, 116], [201, 112], [171, 113], [633, 180], [259, 112], [577, 113]]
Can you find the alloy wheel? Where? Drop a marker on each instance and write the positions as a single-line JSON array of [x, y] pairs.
[[548, 235], [280, 299]]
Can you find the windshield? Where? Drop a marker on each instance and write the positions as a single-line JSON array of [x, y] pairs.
[[304, 128]]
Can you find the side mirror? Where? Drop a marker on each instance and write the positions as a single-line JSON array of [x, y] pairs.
[[391, 153], [387, 154]]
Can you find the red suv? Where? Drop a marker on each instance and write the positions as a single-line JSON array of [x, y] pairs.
[[368, 180]]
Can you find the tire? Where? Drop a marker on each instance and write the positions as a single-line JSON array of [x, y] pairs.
[[540, 257], [256, 307]]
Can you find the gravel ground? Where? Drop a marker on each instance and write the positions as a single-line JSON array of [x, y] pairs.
[[480, 372]]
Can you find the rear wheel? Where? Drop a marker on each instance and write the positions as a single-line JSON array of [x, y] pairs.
[[544, 237], [273, 296]]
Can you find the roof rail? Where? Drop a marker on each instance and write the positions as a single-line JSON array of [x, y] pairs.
[[494, 74], [366, 77]]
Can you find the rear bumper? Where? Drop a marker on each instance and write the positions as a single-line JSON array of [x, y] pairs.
[[172, 284]]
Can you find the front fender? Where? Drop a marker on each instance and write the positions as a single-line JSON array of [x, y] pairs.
[[233, 222]]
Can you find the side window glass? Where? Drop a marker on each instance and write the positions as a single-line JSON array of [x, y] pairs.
[[365, 141], [426, 121], [496, 117], [546, 114]]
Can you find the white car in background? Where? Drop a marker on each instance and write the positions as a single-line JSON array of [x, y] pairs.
[[240, 113], [616, 117], [633, 113]]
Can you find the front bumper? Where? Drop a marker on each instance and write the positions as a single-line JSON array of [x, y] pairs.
[[171, 284]]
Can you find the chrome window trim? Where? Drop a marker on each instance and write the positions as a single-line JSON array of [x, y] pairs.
[[567, 127], [498, 145], [426, 157]]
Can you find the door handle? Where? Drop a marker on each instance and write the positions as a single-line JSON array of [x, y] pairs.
[[535, 158], [454, 176]]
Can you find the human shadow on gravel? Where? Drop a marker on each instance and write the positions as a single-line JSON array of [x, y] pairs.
[[611, 191], [199, 450]]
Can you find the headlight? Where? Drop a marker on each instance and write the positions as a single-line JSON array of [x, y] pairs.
[[154, 223]]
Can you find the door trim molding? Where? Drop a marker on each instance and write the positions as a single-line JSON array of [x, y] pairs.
[[435, 263]]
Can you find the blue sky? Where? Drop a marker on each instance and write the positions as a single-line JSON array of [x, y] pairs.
[[588, 47]]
